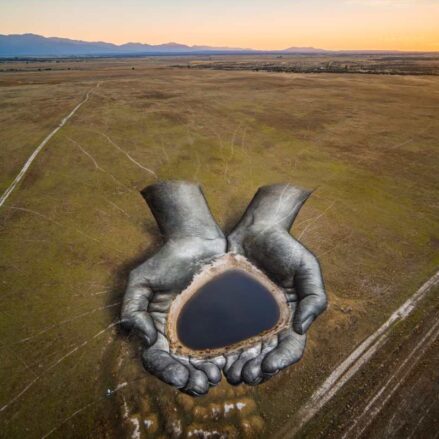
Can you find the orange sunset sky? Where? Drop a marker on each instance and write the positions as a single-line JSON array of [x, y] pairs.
[[275, 24]]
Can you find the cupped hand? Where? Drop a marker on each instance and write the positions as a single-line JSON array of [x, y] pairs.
[[262, 236], [192, 239]]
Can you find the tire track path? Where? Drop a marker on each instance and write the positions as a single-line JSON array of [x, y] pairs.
[[379, 400], [38, 149], [352, 364]]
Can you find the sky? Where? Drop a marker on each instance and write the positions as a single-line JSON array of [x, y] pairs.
[[258, 24]]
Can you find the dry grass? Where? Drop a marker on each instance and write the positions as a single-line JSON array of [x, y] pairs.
[[77, 223]]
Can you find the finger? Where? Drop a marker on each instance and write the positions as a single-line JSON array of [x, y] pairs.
[[134, 315], [161, 364], [291, 295], [211, 370], [251, 372], [230, 359], [220, 361], [233, 374], [308, 282], [198, 382], [158, 361], [143, 324], [174, 370], [289, 351]]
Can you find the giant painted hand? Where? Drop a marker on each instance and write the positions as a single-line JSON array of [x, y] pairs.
[[262, 236], [192, 239]]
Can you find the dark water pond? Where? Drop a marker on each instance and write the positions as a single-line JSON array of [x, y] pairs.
[[229, 308]]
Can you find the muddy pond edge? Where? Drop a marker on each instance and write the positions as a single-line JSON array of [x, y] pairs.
[[229, 261]]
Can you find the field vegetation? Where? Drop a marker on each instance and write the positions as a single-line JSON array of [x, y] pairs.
[[69, 234]]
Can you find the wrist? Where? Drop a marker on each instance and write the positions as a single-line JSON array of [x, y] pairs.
[[181, 210]]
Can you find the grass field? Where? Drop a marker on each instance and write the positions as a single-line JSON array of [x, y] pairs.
[[381, 64], [77, 224]]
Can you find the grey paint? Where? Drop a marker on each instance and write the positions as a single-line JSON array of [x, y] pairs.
[[193, 239]]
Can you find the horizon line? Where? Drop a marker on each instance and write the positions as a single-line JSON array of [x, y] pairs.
[[220, 47]]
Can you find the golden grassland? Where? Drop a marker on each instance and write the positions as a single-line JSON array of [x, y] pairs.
[[387, 64], [69, 234]]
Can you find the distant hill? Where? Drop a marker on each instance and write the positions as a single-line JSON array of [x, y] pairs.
[[37, 46], [31, 45], [303, 50]]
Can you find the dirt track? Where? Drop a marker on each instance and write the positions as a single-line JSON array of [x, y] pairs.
[[395, 395], [37, 150], [409, 406]]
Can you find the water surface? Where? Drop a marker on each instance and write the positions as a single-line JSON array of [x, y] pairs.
[[231, 307]]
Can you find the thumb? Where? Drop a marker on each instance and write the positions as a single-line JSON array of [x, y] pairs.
[[306, 312]]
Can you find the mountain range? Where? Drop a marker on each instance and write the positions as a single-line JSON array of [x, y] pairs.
[[31, 45]]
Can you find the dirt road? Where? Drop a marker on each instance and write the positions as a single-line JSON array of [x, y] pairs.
[[38, 149], [408, 405], [394, 395]]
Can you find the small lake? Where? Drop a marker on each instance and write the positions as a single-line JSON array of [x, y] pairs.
[[230, 308]]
